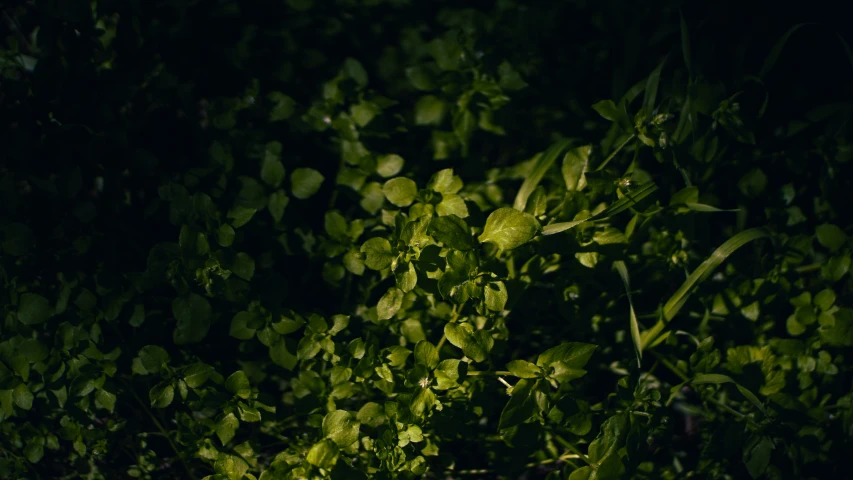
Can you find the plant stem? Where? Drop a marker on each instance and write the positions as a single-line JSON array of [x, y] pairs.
[[497, 373], [808, 268], [615, 151], [163, 432], [670, 366], [562, 441]]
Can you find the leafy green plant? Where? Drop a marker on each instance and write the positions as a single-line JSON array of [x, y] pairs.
[[253, 240]]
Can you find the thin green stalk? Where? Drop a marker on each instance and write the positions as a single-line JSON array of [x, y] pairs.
[[731, 410], [498, 373], [615, 151], [565, 443], [163, 432]]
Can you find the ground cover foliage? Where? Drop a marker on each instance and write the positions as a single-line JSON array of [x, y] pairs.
[[399, 239]]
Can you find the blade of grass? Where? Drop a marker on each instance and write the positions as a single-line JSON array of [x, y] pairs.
[[546, 160], [685, 44], [618, 206], [773, 56], [652, 88], [702, 272], [622, 270]]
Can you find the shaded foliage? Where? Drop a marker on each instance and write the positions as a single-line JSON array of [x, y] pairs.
[[396, 239]]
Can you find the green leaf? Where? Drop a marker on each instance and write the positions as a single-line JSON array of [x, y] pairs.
[[227, 427], [323, 454], [510, 79], [240, 326], [543, 163], [509, 228], [82, 386], [225, 235], [475, 345], [23, 397], [400, 191], [354, 70], [572, 354], [825, 299], [703, 271], [197, 374], [452, 231], [105, 400], [445, 182], [389, 165], [634, 325], [281, 356], [426, 354], [192, 313], [341, 427], [522, 404], [452, 204], [153, 358], [277, 202], [430, 110], [238, 384], [830, 236], [33, 309], [241, 215], [272, 171], [524, 369], [608, 110], [243, 266], [685, 195], [407, 279], [231, 466], [389, 304], [495, 296], [609, 438], [756, 455], [161, 396], [283, 106], [138, 316], [305, 182], [34, 451], [377, 253], [423, 400], [371, 414], [575, 166]]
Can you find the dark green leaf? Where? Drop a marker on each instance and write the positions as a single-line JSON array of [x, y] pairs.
[[33, 309], [522, 404]]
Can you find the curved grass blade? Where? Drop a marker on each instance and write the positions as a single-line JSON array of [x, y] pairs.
[[624, 203], [652, 88], [561, 227], [546, 159], [685, 44], [702, 272], [701, 207], [622, 270], [716, 379], [773, 56], [630, 199]]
